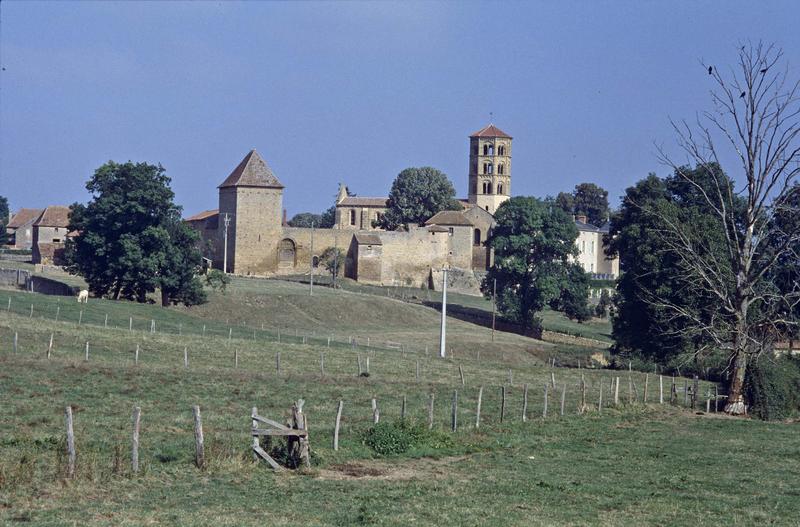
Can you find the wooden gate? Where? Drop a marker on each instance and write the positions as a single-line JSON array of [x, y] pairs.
[[295, 431]]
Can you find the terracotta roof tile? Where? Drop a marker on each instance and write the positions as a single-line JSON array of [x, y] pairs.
[[358, 201], [54, 216], [24, 216], [449, 217], [491, 131], [253, 171], [203, 215]]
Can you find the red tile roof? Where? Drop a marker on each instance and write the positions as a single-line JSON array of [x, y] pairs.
[[54, 216], [203, 215], [490, 131], [449, 217], [23, 217], [253, 171]]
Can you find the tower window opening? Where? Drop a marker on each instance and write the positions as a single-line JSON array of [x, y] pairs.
[[485, 187], [352, 217], [501, 150], [499, 188], [491, 150], [501, 169], [477, 237], [490, 188], [486, 150], [491, 168]]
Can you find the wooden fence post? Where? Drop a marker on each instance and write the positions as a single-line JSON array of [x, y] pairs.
[[646, 379], [376, 415], [685, 392], [253, 415], [403, 409], [616, 392], [708, 400], [278, 364], [544, 412], [716, 398], [236, 358], [130, 323], [563, 397], [510, 377], [502, 403], [367, 364], [525, 402], [478, 409], [50, 346], [660, 389], [185, 356], [630, 389], [199, 451], [583, 394], [137, 413], [417, 373], [336, 427], [673, 392], [136, 355], [430, 411], [58, 311], [454, 415], [16, 341], [105, 322], [80, 317], [87, 350], [553, 377], [600, 400], [461, 372], [695, 391], [70, 444]]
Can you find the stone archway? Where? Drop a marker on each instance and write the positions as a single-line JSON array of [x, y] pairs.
[[287, 254]]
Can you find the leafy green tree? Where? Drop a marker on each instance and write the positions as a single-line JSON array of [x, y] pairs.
[[217, 280], [587, 200], [416, 195], [4, 219], [305, 219], [333, 260], [534, 242], [326, 220], [130, 241]]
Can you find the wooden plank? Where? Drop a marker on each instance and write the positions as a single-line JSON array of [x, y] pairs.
[[274, 432], [264, 420], [260, 452]]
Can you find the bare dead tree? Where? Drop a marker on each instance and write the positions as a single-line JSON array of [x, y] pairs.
[[756, 118]]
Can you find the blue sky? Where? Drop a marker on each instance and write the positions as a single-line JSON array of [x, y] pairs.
[[356, 92]]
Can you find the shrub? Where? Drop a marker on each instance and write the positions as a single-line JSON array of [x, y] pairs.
[[396, 438], [217, 280], [772, 387]]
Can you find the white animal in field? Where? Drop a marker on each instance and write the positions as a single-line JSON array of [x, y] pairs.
[[83, 296]]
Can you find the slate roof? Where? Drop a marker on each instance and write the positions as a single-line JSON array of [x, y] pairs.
[[358, 201], [203, 215], [54, 216], [586, 227], [24, 217], [449, 217], [491, 131], [253, 171], [368, 239]]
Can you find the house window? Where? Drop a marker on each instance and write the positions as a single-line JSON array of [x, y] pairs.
[[477, 237], [352, 216]]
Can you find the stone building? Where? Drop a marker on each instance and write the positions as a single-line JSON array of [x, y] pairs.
[[50, 232], [246, 235], [592, 256], [20, 228]]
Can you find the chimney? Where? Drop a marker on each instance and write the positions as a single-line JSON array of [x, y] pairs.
[[581, 218]]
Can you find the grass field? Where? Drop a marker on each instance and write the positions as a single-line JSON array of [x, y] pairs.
[[633, 464]]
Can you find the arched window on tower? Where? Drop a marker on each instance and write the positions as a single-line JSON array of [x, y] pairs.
[[490, 188], [500, 188], [491, 150], [477, 237], [501, 168], [485, 187], [501, 150], [486, 150], [352, 216], [491, 168]]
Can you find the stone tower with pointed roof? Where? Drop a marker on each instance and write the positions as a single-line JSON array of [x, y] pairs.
[[251, 198], [489, 168]]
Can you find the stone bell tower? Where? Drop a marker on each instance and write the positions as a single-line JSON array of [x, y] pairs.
[[489, 168]]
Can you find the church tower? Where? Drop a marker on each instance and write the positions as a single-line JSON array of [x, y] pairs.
[[489, 168]]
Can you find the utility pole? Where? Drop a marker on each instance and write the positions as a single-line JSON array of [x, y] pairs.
[[311, 286], [442, 333], [227, 221], [494, 296]]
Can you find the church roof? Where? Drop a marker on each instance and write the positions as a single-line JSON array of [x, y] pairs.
[[203, 215], [253, 171], [54, 216], [359, 201], [449, 217], [490, 131]]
